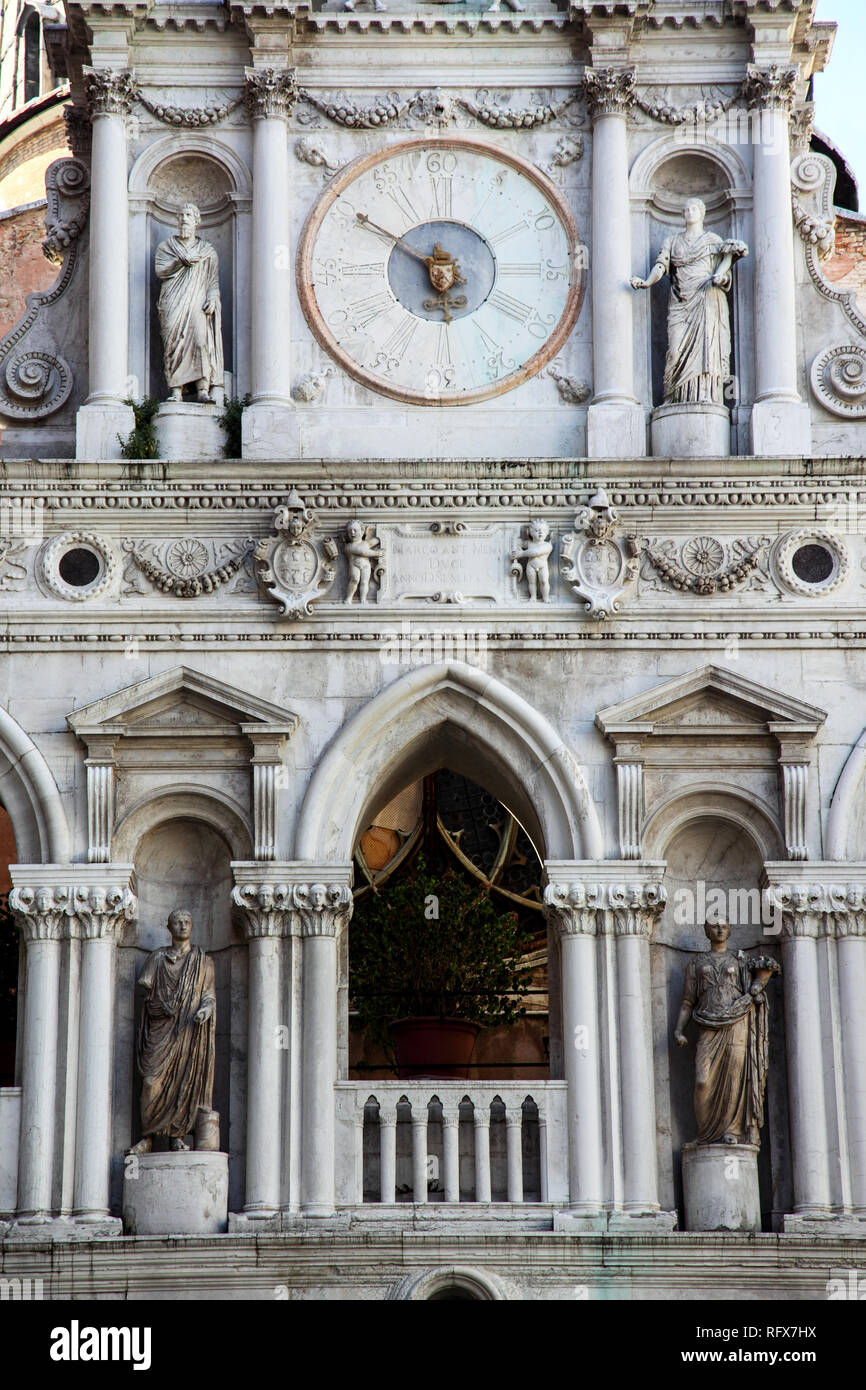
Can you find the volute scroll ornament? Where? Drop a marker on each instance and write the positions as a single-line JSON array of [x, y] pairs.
[[598, 566], [292, 567]]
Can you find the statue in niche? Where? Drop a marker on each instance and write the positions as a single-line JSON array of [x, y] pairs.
[[190, 315], [175, 1052], [534, 555], [361, 550], [699, 264], [723, 994]]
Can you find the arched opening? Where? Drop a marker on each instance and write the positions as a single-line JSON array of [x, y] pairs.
[[713, 873], [11, 956], [30, 57]]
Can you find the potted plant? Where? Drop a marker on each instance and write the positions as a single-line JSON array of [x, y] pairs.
[[432, 962]]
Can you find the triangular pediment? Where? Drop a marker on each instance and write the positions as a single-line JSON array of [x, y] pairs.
[[180, 701], [707, 699]]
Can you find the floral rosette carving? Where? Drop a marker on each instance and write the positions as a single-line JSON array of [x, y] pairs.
[[699, 567]]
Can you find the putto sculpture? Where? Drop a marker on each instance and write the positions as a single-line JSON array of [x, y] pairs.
[[176, 1042], [362, 551], [723, 994], [699, 264], [534, 555], [190, 315]]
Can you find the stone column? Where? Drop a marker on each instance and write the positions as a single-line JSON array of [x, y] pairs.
[[781, 421], [324, 909], [42, 915], [266, 910], [851, 947], [574, 922], [103, 416], [269, 429], [101, 907], [615, 427], [636, 909]]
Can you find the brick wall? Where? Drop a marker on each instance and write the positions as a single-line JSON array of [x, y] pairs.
[[23, 268], [846, 268]]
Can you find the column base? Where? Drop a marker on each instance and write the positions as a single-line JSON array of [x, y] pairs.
[[781, 429], [97, 428], [575, 1223], [829, 1225], [615, 430], [251, 1223], [187, 430], [720, 1187], [638, 1223], [64, 1228], [691, 431], [177, 1194], [269, 432]]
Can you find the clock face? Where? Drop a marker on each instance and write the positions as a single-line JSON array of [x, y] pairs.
[[440, 272]]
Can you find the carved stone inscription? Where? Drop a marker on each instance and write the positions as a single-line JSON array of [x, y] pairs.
[[444, 566]]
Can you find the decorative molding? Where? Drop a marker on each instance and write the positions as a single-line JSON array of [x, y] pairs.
[[67, 179], [9, 580], [815, 175], [838, 380], [102, 909], [79, 131], [60, 900], [772, 87], [432, 106], [789, 544], [629, 907], [52, 553], [311, 388], [109, 93], [266, 908], [795, 781], [292, 567], [269, 93], [698, 566], [571, 390], [703, 112], [42, 912], [190, 117], [599, 568], [183, 570], [629, 789], [608, 91], [490, 113], [100, 807], [323, 908], [801, 126], [346, 113]]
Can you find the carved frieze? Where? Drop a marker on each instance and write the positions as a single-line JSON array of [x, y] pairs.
[[491, 112], [770, 87], [190, 117], [347, 113], [187, 567], [293, 567], [598, 566], [608, 91], [705, 565], [109, 93], [269, 92]]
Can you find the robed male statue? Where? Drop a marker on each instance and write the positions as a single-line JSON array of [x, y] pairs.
[[175, 1052], [189, 310]]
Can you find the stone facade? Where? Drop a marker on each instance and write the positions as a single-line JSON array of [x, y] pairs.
[[219, 670]]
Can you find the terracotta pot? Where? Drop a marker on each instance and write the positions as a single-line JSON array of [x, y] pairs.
[[434, 1046]]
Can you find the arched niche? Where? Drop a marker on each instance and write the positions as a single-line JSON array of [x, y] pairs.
[[715, 850], [663, 177], [184, 860], [178, 169]]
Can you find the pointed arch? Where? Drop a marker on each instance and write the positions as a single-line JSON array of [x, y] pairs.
[[30, 796], [448, 713]]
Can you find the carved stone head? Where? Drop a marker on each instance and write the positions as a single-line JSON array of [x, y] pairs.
[[694, 212], [180, 924], [188, 220]]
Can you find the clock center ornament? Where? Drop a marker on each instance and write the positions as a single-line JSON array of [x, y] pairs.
[[484, 230]]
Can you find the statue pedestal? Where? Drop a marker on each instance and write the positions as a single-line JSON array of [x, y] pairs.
[[97, 428], [187, 430], [720, 1185], [691, 431], [176, 1194], [781, 429]]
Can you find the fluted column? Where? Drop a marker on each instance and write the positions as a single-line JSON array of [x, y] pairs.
[[42, 914], [268, 421], [104, 415], [266, 910], [781, 422], [101, 908], [636, 908], [324, 909], [574, 923], [616, 426]]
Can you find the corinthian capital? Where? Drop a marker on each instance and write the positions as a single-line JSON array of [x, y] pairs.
[[266, 908], [102, 908], [270, 92], [770, 87], [569, 912], [323, 908], [42, 911], [608, 91], [109, 93]]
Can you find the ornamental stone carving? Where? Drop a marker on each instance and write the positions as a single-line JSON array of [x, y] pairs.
[[599, 568], [101, 910], [104, 560], [323, 908], [630, 907], [186, 567], [347, 113], [838, 380], [269, 92], [706, 565], [608, 91], [490, 113], [362, 549], [109, 93], [42, 912], [531, 559], [190, 117], [571, 390], [190, 312], [292, 566], [67, 195], [773, 86], [266, 908]]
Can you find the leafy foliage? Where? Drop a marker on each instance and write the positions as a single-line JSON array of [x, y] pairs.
[[407, 962], [231, 423], [141, 442]]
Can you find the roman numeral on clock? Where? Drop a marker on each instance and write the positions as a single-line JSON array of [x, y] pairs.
[[375, 268], [366, 311], [402, 336], [441, 190], [511, 307], [515, 268], [508, 232]]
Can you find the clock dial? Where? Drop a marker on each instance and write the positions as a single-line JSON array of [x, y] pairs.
[[440, 272]]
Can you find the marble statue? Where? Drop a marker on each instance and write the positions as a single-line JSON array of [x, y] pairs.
[[190, 318], [535, 555], [175, 1052], [699, 264], [724, 996], [361, 553]]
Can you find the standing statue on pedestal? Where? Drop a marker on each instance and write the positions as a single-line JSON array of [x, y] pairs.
[[175, 1052], [724, 995], [699, 264], [190, 318]]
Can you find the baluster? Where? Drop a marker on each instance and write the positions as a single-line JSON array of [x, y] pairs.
[[514, 1137], [482, 1153], [450, 1136], [419, 1151], [387, 1154]]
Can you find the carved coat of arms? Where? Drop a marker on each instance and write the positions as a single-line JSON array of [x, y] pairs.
[[599, 566], [292, 566]]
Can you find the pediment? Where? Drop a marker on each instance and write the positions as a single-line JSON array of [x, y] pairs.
[[710, 699], [181, 701]]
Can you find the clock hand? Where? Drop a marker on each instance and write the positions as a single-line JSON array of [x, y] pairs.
[[398, 241]]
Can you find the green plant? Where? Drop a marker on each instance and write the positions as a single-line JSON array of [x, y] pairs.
[[141, 442], [434, 945], [231, 423]]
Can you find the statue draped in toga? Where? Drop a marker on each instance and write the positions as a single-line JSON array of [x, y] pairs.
[[189, 310], [175, 1051]]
